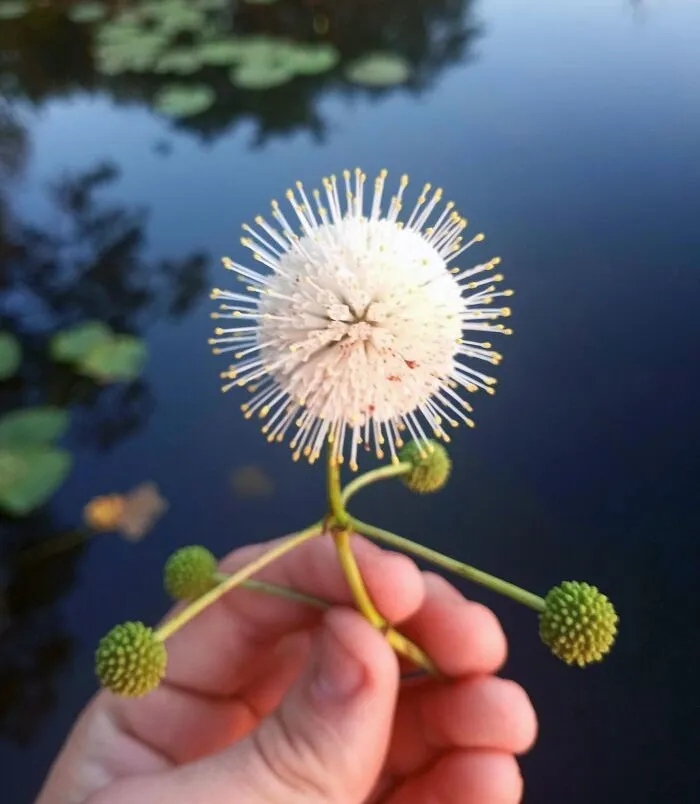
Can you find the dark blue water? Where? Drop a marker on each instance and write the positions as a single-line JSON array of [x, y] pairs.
[[570, 133]]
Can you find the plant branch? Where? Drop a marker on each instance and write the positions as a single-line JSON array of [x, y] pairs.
[[452, 565], [201, 603]]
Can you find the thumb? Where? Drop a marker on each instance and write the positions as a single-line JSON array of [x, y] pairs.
[[328, 739]]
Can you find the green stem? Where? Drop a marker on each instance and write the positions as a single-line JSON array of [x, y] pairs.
[[276, 591], [197, 606], [335, 497], [459, 568], [383, 473]]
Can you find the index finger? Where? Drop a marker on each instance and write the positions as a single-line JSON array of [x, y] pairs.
[[214, 653]]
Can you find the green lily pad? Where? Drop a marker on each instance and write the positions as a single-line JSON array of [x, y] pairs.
[[73, 344], [261, 74], [180, 60], [184, 100], [32, 427], [378, 70], [86, 12], [10, 355], [117, 360], [224, 51], [314, 58], [13, 9], [29, 476], [173, 17], [139, 54]]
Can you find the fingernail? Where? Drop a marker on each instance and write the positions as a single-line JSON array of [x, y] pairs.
[[338, 675]]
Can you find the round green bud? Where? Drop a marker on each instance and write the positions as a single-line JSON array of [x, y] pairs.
[[578, 624], [430, 466], [189, 572], [130, 660]]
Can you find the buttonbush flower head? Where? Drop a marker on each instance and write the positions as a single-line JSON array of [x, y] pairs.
[[358, 327], [130, 660], [578, 624]]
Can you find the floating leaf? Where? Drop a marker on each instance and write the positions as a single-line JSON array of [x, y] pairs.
[[86, 12], [184, 100], [224, 51], [174, 17], [260, 2], [313, 59], [251, 481], [10, 355], [28, 477], [378, 70], [73, 344], [136, 54], [32, 427], [12, 9], [143, 507], [181, 60], [261, 74], [119, 359]]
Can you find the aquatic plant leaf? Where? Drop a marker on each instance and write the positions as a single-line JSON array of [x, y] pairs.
[[32, 427], [30, 476], [10, 355], [117, 360], [312, 59], [260, 2], [173, 17], [143, 507], [137, 55], [86, 12], [181, 61], [13, 9], [74, 343], [261, 74], [224, 51], [378, 70], [184, 100], [251, 481]]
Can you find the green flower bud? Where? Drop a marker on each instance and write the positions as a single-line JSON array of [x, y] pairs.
[[130, 660], [578, 624], [430, 466], [189, 572]]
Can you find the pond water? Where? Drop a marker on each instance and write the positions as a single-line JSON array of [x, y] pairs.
[[570, 133]]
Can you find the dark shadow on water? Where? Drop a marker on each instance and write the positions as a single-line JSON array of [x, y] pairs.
[[35, 645]]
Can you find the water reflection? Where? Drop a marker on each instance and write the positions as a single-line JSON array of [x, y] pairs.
[[210, 65], [89, 263], [34, 644]]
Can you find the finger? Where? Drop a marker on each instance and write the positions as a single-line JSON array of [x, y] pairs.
[[479, 712], [465, 777], [460, 636], [217, 653]]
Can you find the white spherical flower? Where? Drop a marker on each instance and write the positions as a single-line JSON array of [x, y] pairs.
[[355, 332]]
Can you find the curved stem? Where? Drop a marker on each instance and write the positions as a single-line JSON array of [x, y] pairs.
[[354, 578], [276, 590], [197, 606], [458, 567], [383, 473], [341, 536]]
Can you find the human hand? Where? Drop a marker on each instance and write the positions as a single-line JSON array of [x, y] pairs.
[[269, 700]]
